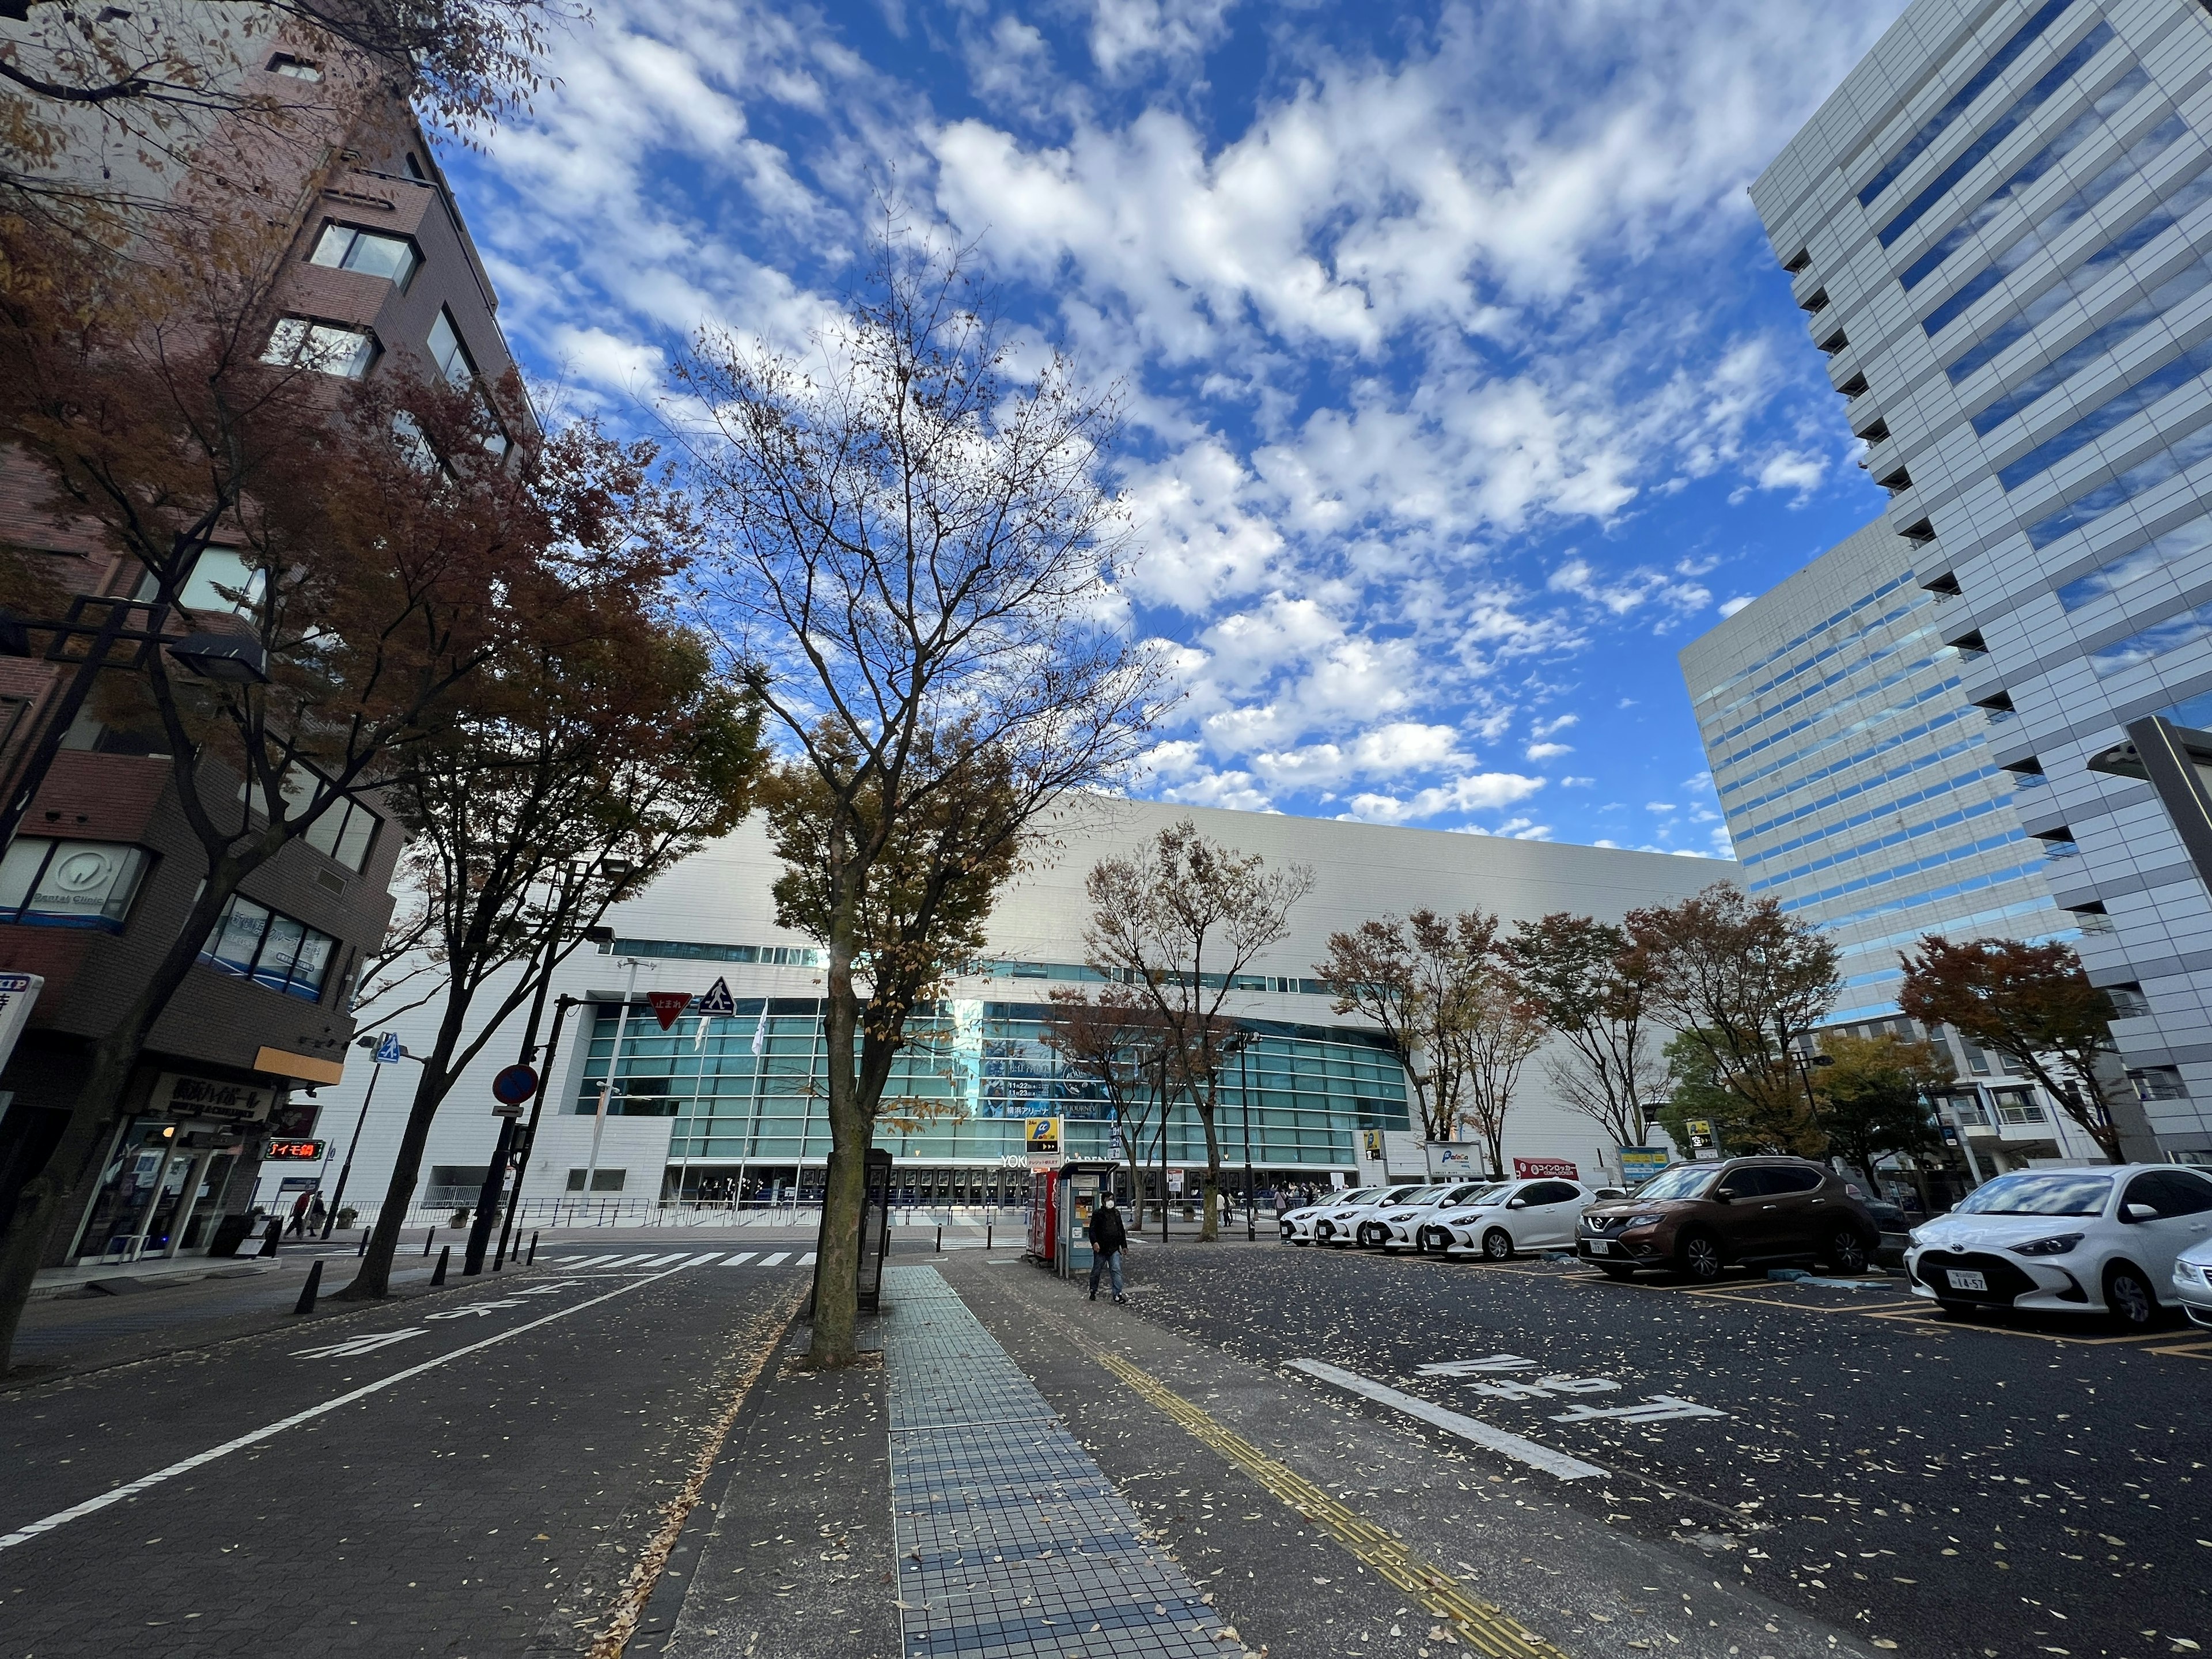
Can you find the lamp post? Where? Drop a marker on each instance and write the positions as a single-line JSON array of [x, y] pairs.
[[330, 1221], [607, 1084], [1244, 1105], [1805, 1062]]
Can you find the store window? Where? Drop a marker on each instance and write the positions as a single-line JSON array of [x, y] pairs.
[[251, 941], [45, 882]]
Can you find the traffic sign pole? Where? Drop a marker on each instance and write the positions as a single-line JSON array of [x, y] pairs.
[[388, 1053]]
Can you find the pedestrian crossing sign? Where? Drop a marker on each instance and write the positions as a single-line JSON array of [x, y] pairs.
[[717, 1000], [388, 1051]]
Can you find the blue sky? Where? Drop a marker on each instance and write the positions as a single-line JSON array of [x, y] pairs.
[[1462, 387]]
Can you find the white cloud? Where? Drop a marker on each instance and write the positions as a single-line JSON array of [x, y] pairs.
[[1730, 607], [1544, 751], [1557, 723], [1484, 790]]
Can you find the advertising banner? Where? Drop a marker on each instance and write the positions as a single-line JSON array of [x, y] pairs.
[[1642, 1163], [1558, 1169]]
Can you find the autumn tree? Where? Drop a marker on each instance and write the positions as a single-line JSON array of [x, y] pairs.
[[1592, 991], [1410, 976], [2031, 1003], [596, 752], [1495, 1027], [1696, 1094], [119, 106], [1877, 1097], [1741, 981], [915, 574], [1110, 1040], [1178, 921], [364, 538]]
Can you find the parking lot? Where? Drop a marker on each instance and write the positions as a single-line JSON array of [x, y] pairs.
[[2010, 1485]]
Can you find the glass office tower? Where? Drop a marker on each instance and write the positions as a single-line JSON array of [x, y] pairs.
[[2000, 226]]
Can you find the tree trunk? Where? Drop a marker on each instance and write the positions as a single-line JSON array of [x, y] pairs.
[[844, 1183], [374, 1277], [45, 1196], [1210, 1229], [1136, 1177]]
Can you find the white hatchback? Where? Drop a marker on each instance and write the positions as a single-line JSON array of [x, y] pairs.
[[2192, 1282], [1298, 1225], [1352, 1222], [2099, 1240], [1513, 1216], [1410, 1226]]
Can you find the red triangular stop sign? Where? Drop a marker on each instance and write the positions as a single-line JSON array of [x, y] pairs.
[[668, 1005]]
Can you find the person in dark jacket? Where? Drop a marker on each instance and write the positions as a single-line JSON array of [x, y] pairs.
[[1109, 1238]]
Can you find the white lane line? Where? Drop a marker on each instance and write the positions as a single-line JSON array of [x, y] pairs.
[[806, 1260], [1514, 1446], [701, 1260], [665, 1260], [116, 1494], [741, 1258], [773, 1260]]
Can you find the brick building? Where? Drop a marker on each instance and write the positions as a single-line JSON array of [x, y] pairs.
[[105, 868]]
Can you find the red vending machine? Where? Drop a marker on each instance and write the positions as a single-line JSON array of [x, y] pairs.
[[1045, 1195]]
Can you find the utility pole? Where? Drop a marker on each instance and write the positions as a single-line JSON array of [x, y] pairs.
[[1164, 1143], [607, 1084], [1244, 1104]]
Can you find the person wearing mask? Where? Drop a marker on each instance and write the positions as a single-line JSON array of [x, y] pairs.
[[1109, 1238]]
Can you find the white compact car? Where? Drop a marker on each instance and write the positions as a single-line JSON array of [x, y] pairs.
[[1406, 1227], [1298, 1225], [2101, 1240], [1352, 1223], [1512, 1216], [2192, 1282]]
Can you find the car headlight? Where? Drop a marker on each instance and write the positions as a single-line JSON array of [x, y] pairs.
[[1458, 1220], [1403, 1215], [2057, 1244], [1643, 1220]]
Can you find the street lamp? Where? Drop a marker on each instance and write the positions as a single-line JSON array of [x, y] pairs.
[[376, 1071]]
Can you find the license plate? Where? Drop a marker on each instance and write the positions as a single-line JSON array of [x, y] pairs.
[[1601, 1246], [1965, 1278]]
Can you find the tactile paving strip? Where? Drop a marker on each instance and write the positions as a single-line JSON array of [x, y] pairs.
[[1012, 1543]]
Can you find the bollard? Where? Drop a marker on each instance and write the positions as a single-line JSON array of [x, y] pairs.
[[306, 1304], [427, 1239], [363, 1250], [533, 1251], [987, 1238], [438, 1275], [269, 1241], [940, 1239]]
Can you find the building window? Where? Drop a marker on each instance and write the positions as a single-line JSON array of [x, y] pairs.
[[448, 352], [300, 68], [45, 882], [329, 348], [603, 1181], [347, 247], [251, 941], [221, 581], [2159, 1083], [343, 833]]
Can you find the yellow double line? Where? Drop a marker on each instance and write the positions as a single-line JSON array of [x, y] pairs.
[[1484, 1627]]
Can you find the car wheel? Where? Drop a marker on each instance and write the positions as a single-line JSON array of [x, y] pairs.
[[1616, 1270], [1497, 1245], [1365, 1238], [1698, 1257], [1846, 1252], [2129, 1298]]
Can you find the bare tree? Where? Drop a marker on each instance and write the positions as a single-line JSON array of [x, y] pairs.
[[1179, 922], [1742, 982], [1495, 1027], [1113, 1041], [915, 576], [1593, 992]]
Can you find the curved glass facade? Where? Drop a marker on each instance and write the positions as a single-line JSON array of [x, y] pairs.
[[958, 1092]]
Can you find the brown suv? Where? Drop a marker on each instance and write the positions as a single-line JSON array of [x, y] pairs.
[[1695, 1219]]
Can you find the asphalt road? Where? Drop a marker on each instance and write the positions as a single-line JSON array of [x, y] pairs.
[[1980, 1490], [467, 1472]]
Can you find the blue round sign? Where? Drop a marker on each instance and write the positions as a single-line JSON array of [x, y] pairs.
[[514, 1085]]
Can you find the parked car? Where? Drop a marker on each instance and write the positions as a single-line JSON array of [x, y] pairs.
[[1406, 1227], [2099, 1240], [1347, 1224], [2192, 1282], [1298, 1225], [1696, 1219], [1511, 1217]]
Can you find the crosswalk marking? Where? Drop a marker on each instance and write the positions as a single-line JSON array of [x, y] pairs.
[[567, 1260], [741, 1258], [806, 1260], [781, 1256], [626, 1260], [665, 1260], [701, 1260], [588, 1260]]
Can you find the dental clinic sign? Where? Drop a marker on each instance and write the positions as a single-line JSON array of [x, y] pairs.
[[19, 994]]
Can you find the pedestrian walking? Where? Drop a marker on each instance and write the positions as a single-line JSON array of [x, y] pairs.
[[1109, 1238], [299, 1227], [318, 1212]]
